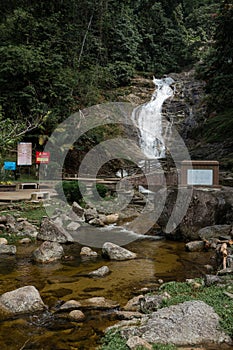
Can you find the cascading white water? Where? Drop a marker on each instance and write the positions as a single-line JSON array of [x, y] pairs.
[[148, 118]]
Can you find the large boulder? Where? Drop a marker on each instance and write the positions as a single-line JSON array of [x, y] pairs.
[[115, 252], [22, 300], [49, 231], [48, 252], [207, 207], [189, 323]]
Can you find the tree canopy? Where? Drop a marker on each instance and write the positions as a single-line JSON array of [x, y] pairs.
[[59, 56]]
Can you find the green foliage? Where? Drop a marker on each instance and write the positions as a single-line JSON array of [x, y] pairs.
[[213, 296], [35, 213], [219, 127], [14, 238], [60, 56], [72, 191], [200, 26], [179, 291], [216, 69], [222, 304], [113, 341], [121, 72], [164, 347], [12, 132], [123, 34], [99, 190]]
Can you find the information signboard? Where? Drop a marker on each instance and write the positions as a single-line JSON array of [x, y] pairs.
[[9, 165], [200, 177], [24, 153]]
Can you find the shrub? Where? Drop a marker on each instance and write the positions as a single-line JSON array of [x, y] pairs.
[[99, 190], [121, 72], [72, 190], [113, 341]]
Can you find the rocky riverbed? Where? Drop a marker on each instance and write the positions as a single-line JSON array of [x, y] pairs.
[[58, 293]]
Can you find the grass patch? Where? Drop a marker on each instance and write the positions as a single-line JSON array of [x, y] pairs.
[[35, 214], [181, 292], [13, 238], [213, 296], [31, 211], [164, 347], [114, 341]]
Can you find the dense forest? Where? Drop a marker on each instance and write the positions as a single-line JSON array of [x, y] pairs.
[[59, 56]]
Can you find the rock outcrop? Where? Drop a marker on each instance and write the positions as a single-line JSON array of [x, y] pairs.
[[216, 231], [207, 207], [19, 227], [192, 322], [49, 231]]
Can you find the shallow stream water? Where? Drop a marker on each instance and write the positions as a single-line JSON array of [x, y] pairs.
[[65, 280]]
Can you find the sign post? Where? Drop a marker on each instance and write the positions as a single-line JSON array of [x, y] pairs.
[[42, 158], [10, 166], [204, 173]]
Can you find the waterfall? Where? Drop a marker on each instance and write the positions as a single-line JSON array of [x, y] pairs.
[[148, 119]]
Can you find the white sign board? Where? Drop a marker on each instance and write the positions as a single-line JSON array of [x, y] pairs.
[[24, 153], [200, 177]]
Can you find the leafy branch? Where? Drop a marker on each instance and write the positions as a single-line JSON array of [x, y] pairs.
[[12, 131]]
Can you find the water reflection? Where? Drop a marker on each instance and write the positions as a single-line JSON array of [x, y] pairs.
[[68, 279]]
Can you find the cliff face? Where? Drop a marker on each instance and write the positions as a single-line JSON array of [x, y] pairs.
[[188, 112]]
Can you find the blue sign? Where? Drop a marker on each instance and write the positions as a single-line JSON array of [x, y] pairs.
[[10, 165]]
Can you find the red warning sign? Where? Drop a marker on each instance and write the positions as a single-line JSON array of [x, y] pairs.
[[42, 157]]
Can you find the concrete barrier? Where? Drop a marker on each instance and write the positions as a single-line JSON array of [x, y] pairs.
[[40, 195]]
